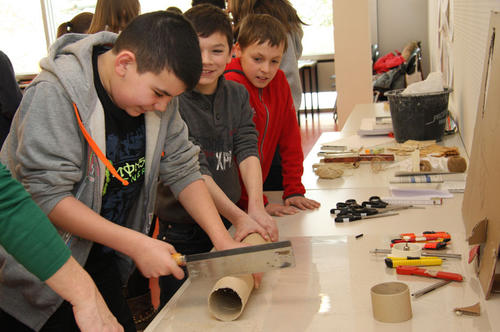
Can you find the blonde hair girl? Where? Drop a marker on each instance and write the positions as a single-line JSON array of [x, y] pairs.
[[113, 15]]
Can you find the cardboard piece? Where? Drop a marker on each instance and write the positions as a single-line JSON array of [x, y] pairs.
[[230, 294], [473, 310], [483, 181]]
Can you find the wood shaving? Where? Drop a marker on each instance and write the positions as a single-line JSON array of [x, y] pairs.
[[425, 148], [377, 164], [332, 170]]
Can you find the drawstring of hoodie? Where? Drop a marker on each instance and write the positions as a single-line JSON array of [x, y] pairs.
[[96, 149]]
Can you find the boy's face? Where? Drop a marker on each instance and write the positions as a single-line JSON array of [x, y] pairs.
[[215, 55], [138, 93], [260, 62]]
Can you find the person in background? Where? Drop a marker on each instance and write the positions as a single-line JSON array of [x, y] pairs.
[[28, 235], [174, 9], [262, 40], [287, 15], [106, 102], [113, 15], [10, 95], [219, 3], [219, 119], [78, 24]]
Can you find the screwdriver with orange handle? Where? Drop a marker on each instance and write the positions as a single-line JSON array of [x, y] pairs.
[[425, 236], [414, 270], [435, 245]]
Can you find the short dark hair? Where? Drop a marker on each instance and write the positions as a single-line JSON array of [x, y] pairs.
[[219, 3], [261, 28], [208, 19], [163, 40]]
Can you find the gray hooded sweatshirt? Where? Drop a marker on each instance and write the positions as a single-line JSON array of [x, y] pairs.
[[48, 153], [289, 65]]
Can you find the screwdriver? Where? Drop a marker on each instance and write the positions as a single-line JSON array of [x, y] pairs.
[[415, 261], [429, 245], [426, 254], [413, 270], [352, 217]]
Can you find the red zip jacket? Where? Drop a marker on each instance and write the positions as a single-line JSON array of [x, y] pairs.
[[276, 122]]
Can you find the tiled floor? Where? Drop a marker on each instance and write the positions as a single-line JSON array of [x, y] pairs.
[[311, 127], [312, 123]]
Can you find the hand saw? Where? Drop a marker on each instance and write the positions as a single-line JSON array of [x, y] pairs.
[[245, 260]]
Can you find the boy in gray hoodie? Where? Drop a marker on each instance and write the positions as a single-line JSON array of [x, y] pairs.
[[95, 134]]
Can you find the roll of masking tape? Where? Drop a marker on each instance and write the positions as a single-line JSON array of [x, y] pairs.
[[406, 249], [391, 302]]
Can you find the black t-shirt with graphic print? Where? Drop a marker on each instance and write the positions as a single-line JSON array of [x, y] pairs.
[[125, 149]]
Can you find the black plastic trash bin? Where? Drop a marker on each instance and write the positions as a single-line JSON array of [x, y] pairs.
[[418, 116]]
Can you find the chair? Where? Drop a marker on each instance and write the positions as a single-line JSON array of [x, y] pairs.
[[375, 55], [334, 88], [311, 67], [414, 66]]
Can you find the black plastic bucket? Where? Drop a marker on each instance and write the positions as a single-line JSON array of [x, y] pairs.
[[418, 116]]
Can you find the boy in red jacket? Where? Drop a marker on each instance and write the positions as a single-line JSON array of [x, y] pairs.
[[260, 46]]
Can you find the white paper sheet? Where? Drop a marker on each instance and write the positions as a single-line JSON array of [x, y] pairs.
[[420, 190]]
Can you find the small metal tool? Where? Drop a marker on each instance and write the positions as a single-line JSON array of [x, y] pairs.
[[351, 217], [430, 288], [425, 254]]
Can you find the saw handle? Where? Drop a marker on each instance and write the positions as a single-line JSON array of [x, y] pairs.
[[179, 259]]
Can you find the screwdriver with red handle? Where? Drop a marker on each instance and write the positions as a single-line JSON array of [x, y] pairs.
[[425, 236], [427, 245], [414, 270]]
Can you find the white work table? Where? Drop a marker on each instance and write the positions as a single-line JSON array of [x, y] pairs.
[[329, 289]]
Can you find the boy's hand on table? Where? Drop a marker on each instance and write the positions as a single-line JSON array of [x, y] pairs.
[[279, 210], [231, 244], [154, 258], [245, 225], [302, 203], [257, 277], [264, 219]]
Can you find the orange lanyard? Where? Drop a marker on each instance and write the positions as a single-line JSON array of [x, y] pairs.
[[98, 151]]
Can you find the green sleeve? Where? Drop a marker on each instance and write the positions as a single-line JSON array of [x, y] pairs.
[[26, 232]]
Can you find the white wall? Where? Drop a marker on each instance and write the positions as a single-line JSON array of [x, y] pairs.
[[353, 67], [469, 24], [402, 21]]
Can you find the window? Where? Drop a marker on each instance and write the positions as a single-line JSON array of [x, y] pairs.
[[22, 30], [64, 10], [24, 38], [318, 34], [22, 34], [152, 5]]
